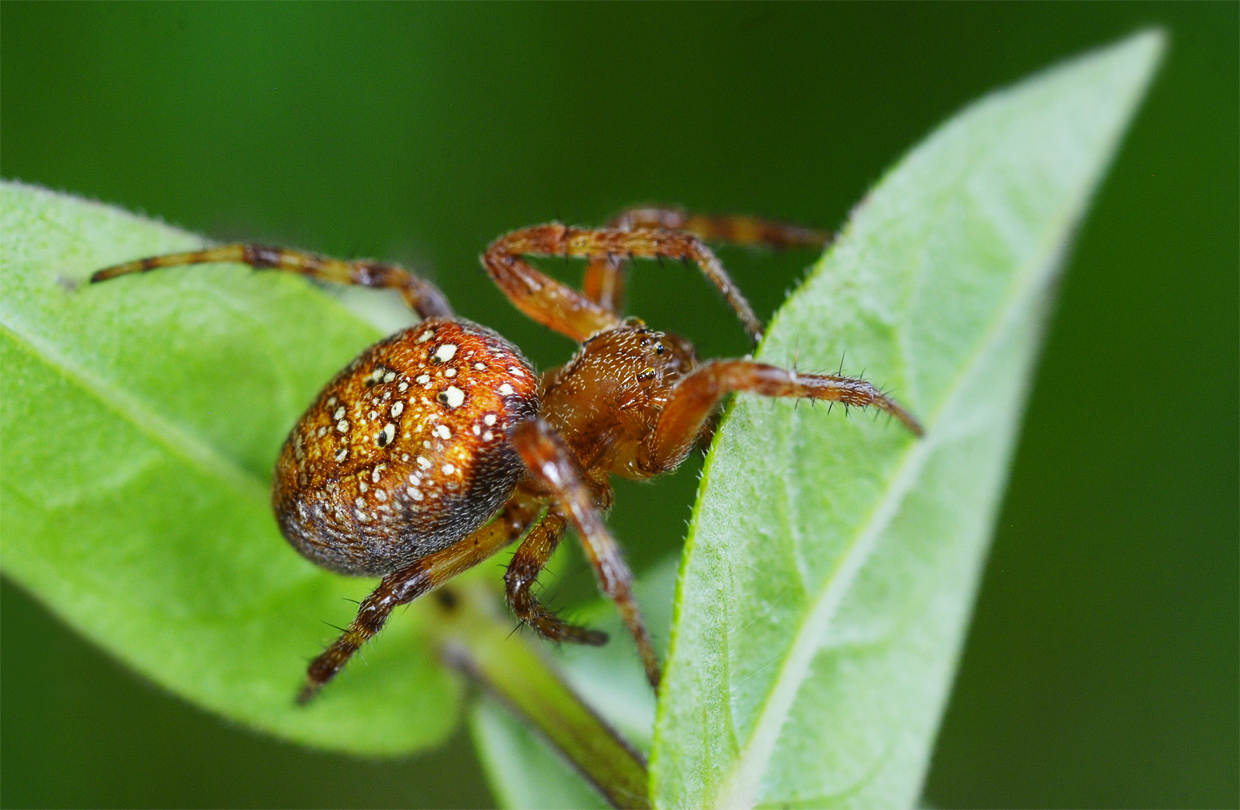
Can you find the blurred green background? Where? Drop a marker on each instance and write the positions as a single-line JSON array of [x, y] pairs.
[[1101, 668]]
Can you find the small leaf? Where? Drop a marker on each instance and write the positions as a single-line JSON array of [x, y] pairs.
[[141, 420], [832, 563], [524, 771]]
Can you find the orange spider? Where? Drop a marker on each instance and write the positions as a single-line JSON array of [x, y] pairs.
[[440, 445]]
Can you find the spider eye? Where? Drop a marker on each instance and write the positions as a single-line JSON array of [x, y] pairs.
[[659, 348]]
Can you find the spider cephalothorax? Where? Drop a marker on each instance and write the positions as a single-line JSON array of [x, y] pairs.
[[440, 445]]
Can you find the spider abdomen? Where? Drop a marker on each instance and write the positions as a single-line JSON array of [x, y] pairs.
[[406, 450]]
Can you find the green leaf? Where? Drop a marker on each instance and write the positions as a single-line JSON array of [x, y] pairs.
[[831, 563], [141, 419]]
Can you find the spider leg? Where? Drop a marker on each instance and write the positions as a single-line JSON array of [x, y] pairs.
[[736, 230], [571, 313], [696, 396], [420, 577], [421, 296], [551, 464], [603, 282], [521, 575], [604, 279]]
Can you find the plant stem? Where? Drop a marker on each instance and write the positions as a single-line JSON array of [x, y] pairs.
[[473, 639]]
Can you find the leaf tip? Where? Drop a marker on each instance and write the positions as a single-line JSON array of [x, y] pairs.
[[1140, 53], [1146, 47]]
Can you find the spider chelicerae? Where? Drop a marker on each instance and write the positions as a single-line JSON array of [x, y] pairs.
[[441, 445]]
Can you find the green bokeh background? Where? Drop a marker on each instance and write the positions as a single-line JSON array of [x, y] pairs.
[[1101, 668]]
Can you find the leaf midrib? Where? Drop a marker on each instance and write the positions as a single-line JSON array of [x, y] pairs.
[[169, 435]]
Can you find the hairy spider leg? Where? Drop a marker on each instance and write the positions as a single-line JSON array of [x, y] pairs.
[[604, 279], [421, 296], [528, 561], [422, 576], [696, 396], [571, 313], [554, 466]]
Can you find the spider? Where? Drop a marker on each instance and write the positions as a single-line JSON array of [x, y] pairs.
[[440, 445]]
